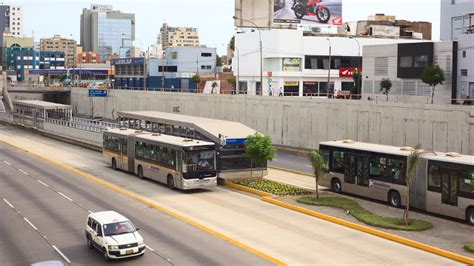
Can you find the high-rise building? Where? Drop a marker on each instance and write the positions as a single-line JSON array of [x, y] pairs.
[[457, 24], [178, 37], [59, 44], [107, 31], [11, 20]]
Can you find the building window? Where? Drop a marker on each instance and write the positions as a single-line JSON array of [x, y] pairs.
[[421, 61], [464, 72], [206, 54], [406, 61], [464, 54]]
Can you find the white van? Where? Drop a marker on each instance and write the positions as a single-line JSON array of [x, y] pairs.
[[114, 235]]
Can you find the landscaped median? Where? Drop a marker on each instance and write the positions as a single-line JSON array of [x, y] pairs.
[[365, 216], [271, 187], [469, 247]]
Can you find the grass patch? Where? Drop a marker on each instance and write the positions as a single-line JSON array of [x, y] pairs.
[[272, 187], [469, 247], [366, 216]]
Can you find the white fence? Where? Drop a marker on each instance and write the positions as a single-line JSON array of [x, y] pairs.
[[83, 124]]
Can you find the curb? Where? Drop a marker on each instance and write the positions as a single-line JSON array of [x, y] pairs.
[[291, 171], [247, 189], [151, 204]]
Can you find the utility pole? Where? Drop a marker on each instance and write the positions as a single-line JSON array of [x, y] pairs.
[[329, 71], [163, 71], [238, 71]]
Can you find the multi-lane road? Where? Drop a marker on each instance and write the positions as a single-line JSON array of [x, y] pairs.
[[56, 203], [43, 210]]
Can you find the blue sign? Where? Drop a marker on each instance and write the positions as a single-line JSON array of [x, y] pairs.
[[97, 93], [129, 61], [95, 72], [235, 141]]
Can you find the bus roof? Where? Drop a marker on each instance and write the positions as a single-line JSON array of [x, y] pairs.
[[41, 104], [210, 128], [171, 140], [437, 156]]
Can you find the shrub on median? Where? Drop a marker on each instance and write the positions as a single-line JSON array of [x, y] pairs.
[[272, 187], [366, 216], [469, 247]]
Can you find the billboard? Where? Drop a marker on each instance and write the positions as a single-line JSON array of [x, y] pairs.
[[291, 64], [320, 12]]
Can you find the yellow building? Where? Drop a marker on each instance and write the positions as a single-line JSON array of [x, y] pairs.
[[178, 37], [59, 44]]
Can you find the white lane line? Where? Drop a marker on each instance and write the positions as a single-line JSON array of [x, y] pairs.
[[8, 203], [152, 250], [7, 163], [66, 197], [42, 183], [31, 224], [61, 254], [23, 171]]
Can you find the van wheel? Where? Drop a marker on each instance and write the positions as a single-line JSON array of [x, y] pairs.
[[170, 182], [394, 199], [470, 216], [140, 172], [336, 185], [106, 256], [114, 164]]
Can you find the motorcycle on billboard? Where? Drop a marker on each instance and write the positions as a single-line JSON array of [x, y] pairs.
[[311, 8]]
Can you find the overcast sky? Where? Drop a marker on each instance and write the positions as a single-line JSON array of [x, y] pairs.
[[212, 17]]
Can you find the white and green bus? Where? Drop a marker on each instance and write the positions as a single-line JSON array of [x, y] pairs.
[[180, 163], [443, 183]]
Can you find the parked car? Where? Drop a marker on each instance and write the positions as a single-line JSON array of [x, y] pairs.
[[343, 95], [114, 235]]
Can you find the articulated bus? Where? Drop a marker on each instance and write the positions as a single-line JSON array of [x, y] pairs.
[[443, 182], [180, 163]]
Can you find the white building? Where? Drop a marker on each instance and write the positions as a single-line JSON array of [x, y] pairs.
[[296, 62], [16, 20], [457, 23], [178, 37]]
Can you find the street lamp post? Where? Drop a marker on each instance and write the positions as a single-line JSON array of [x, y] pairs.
[[261, 51], [359, 67], [237, 86], [329, 69]]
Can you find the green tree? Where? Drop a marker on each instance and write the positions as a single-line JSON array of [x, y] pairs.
[[319, 167], [357, 77], [214, 86], [385, 86], [232, 81], [260, 150], [232, 43], [413, 161], [433, 75], [219, 61], [196, 79]]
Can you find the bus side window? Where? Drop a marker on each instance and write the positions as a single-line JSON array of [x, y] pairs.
[[434, 179], [467, 183], [377, 168], [325, 156], [395, 171], [338, 162]]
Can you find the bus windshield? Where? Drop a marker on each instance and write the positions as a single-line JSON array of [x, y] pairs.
[[199, 161]]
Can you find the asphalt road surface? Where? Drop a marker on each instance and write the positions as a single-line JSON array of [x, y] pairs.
[[291, 160], [42, 206]]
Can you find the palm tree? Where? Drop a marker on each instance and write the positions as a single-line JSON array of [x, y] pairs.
[[319, 167], [413, 161]]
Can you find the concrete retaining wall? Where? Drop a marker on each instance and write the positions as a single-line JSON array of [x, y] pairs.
[[304, 122]]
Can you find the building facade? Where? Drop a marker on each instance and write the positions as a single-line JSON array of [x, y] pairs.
[[403, 64], [178, 37], [384, 26], [88, 58], [457, 24], [296, 63], [56, 44], [107, 31], [11, 20], [27, 59], [9, 45]]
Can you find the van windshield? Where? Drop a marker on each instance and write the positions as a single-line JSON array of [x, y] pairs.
[[118, 228]]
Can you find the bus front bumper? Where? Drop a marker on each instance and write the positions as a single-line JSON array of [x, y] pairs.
[[199, 183]]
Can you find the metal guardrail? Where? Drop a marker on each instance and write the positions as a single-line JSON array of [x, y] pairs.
[[83, 124]]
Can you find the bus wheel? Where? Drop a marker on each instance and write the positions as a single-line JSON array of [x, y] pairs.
[[114, 164], [140, 172], [170, 182], [394, 199], [470, 216], [336, 185]]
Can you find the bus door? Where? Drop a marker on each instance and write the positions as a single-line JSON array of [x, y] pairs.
[[131, 154], [363, 171], [350, 173], [122, 161], [449, 192]]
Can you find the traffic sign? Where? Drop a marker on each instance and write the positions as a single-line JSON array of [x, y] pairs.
[[97, 93]]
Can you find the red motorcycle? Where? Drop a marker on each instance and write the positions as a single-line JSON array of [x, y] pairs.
[[311, 8]]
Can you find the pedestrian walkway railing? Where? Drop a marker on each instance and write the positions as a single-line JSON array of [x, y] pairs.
[[83, 124]]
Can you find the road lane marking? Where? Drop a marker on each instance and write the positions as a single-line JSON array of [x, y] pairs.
[[23, 171], [61, 254], [152, 204], [30, 223], [8, 203], [66, 197], [152, 250], [42, 183], [7, 163]]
